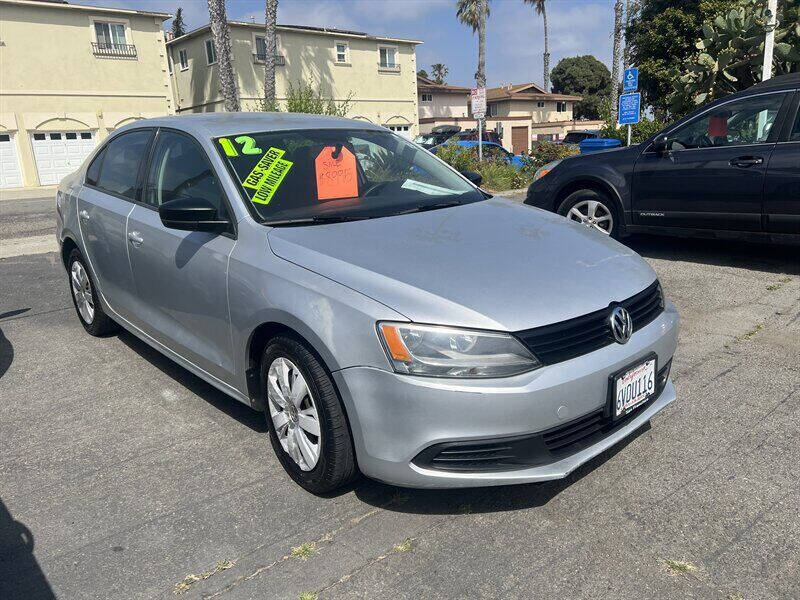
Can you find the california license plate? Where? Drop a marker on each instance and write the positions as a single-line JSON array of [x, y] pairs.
[[633, 387]]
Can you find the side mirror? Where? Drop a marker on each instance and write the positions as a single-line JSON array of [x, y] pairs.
[[191, 214], [473, 176], [661, 144]]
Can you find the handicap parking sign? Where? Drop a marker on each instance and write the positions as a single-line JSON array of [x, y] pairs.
[[629, 108], [630, 80]]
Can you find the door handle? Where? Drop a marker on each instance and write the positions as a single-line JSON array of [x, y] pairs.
[[84, 214], [135, 238], [746, 161]]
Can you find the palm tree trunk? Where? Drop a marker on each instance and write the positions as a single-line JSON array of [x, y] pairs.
[[546, 54], [269, 59], [222, 46], [480, 76], [615, 58]]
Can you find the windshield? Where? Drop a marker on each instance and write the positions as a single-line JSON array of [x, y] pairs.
[[324, 174]]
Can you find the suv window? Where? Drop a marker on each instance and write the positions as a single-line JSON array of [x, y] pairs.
[[120, 163], [795, 135], [179, 169], [746, 121]]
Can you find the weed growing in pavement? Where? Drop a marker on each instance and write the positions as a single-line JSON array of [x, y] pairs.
[[304, 551]]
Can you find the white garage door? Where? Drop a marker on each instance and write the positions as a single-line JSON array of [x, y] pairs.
[[58, 154], [401, 130], [10, 174]]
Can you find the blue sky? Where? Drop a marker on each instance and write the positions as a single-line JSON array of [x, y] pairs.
[[514, 33]]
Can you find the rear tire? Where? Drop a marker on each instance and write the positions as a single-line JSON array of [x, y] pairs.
[[308, 429], [593, 209], [84, 297]]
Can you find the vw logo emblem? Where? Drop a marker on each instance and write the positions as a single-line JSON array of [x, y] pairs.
[[621, 324]]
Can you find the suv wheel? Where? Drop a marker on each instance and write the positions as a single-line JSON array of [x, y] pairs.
[[592, 209], [307, 426], [84, 296]]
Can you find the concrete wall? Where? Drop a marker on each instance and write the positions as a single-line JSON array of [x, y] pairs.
[[382, 96], [51, 80]]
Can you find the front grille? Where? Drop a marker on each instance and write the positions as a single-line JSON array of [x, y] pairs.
[[508, 453], [575, 337]]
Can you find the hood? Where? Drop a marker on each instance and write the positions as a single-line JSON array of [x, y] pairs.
[[494, 264]]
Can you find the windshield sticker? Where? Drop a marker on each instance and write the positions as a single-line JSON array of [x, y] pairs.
[[248, 145], [259, 172], [336, 173], [272, 181], [425, 188], [228, 147]]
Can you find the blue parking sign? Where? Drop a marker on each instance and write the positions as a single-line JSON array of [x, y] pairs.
[[630, 80], [629, 108]]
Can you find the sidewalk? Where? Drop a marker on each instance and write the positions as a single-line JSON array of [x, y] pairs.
[[28, 193]]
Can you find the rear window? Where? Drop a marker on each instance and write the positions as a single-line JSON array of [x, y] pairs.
[[309, 173]]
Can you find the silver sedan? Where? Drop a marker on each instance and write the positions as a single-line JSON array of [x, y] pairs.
[[388, 316]]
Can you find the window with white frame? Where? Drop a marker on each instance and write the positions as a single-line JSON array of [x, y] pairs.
[[388, 57], [342, 52], [561, 107], [184, 59], [540, 104], [110, 36], [493, 110], [211, 52], [426, 98]]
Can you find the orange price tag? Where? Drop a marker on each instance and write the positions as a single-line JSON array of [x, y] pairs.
[[336, 177]]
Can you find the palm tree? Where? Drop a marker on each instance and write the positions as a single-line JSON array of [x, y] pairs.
[[222, 47], [269, 59], [474, 13], [439, 72], [615, 58], [541, 9]]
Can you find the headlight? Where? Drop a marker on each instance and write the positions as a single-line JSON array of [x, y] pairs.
[[545, 169], [449, 352]]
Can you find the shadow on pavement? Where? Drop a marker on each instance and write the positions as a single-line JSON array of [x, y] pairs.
[[219, 400], [480, 500], [6, 353], [13, 313], [20, 574], [781, 259]]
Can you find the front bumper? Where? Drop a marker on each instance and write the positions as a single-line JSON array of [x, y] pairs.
[[395, 417]]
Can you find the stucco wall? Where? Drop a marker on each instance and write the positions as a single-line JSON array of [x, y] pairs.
[[50, 79], [377, 95], [444, 105]]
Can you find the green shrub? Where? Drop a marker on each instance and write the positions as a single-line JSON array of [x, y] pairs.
[[545, 152]]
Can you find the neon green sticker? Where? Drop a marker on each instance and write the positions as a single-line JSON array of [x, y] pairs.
[[228, 147], [272, 181], [259, 172], [248, 145]]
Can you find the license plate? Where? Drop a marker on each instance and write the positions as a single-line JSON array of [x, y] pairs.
[[633, 387]]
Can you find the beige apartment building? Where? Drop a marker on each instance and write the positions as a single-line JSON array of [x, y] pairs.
[[70, 74], [378, 74], [521, 114]]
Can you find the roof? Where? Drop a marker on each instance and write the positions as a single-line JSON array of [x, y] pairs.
[[424, 84], [57, 5], [525, 91], [234, 123], [328, 31]]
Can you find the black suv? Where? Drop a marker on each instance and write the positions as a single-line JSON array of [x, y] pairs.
[[730, 169]]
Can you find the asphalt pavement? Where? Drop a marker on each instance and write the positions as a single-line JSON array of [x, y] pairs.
[[124, 476]]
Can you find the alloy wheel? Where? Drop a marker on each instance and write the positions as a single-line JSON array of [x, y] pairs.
[[82, 292], [294, 413], [592, 214]]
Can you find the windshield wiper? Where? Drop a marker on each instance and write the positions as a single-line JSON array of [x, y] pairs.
[[424, 207], [318, 219]]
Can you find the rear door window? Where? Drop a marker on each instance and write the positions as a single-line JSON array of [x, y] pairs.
[[121, 162]]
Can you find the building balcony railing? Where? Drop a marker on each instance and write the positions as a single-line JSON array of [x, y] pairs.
[[114, 50], [395, 68], [261, 58]]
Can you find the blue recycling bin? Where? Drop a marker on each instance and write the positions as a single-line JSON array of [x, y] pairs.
[[598, 145]]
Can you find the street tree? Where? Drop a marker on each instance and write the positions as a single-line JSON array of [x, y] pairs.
[[178, 26], [271, 15], [423, 73], [439, 72], [583, 76], [474, 14], [220, 34], [541, 9]]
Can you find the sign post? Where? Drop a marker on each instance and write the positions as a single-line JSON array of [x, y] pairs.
[[478, 105], [630, 83]]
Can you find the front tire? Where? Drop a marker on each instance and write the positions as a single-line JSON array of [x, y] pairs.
[[84, 297], [592, 209], [308, 429]]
